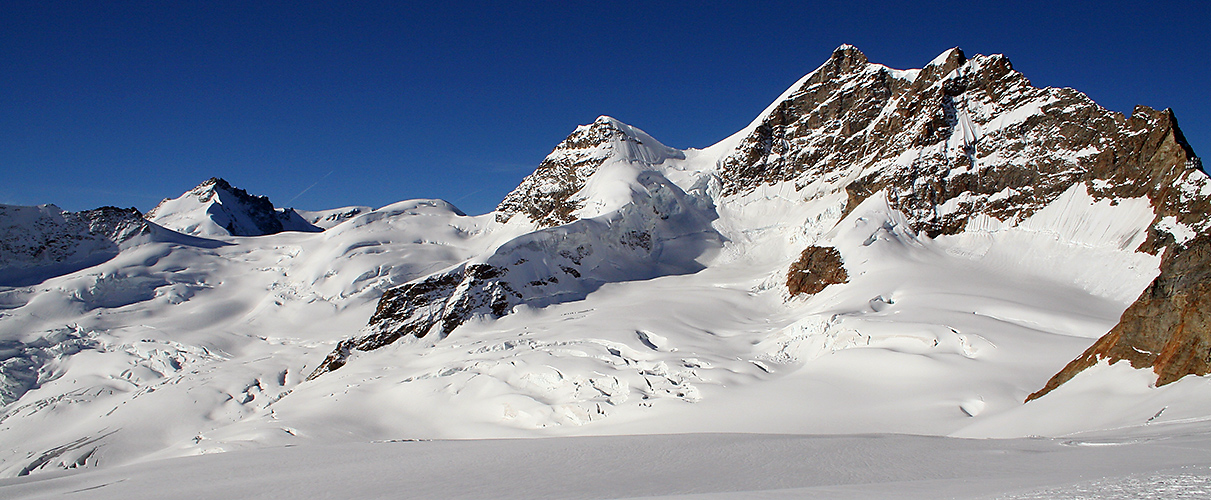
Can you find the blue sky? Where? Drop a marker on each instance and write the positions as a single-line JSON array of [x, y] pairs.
[[376, 102]]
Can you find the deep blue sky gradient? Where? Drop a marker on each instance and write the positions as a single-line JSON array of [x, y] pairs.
[[376, 102]]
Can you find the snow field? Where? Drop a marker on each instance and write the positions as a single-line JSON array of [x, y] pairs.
[[682, 466]]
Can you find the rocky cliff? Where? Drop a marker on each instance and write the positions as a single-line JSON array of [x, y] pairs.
[[963, 138], [958, 138]]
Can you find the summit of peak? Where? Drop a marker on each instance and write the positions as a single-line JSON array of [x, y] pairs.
[[611, 123], [551, 195], [952, 56], [216, 208], [847, 50], [606, 120], [949, 60], [847, 57], [214, 183]]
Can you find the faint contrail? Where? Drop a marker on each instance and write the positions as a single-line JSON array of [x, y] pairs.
[[308, 188], [463, 197]]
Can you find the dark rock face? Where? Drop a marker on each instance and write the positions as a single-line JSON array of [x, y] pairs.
[[113, 223], [259, 208], [816, 268], [545, 196], [437, 303]]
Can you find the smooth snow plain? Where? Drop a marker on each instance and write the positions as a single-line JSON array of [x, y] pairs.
[[1163, 463], [178, 368]]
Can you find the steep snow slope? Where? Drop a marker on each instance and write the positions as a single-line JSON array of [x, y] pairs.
[[216, 208], [628, 287]]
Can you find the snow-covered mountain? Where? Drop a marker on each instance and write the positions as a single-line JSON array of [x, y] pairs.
[[879, 251], [325, 219], [44, 241], [216, 208]]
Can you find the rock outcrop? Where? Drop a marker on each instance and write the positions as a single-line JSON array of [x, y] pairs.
[[816, 268]]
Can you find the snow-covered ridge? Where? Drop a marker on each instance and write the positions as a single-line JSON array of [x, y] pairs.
[[326, 219], [216, 208], [44, 241]]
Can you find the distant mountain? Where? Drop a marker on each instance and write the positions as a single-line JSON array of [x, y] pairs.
[[216, 208], [44, 241], [325, 219]]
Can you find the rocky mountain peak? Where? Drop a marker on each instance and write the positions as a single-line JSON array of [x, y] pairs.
[[548, 197], [211, 187], [962, 139], [942, 65], [845, 59]]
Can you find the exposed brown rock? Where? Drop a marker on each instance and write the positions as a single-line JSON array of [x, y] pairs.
[[852, 123], [417, 308], [1168, 328], [854, 120], [546, 196], [816, 268]]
